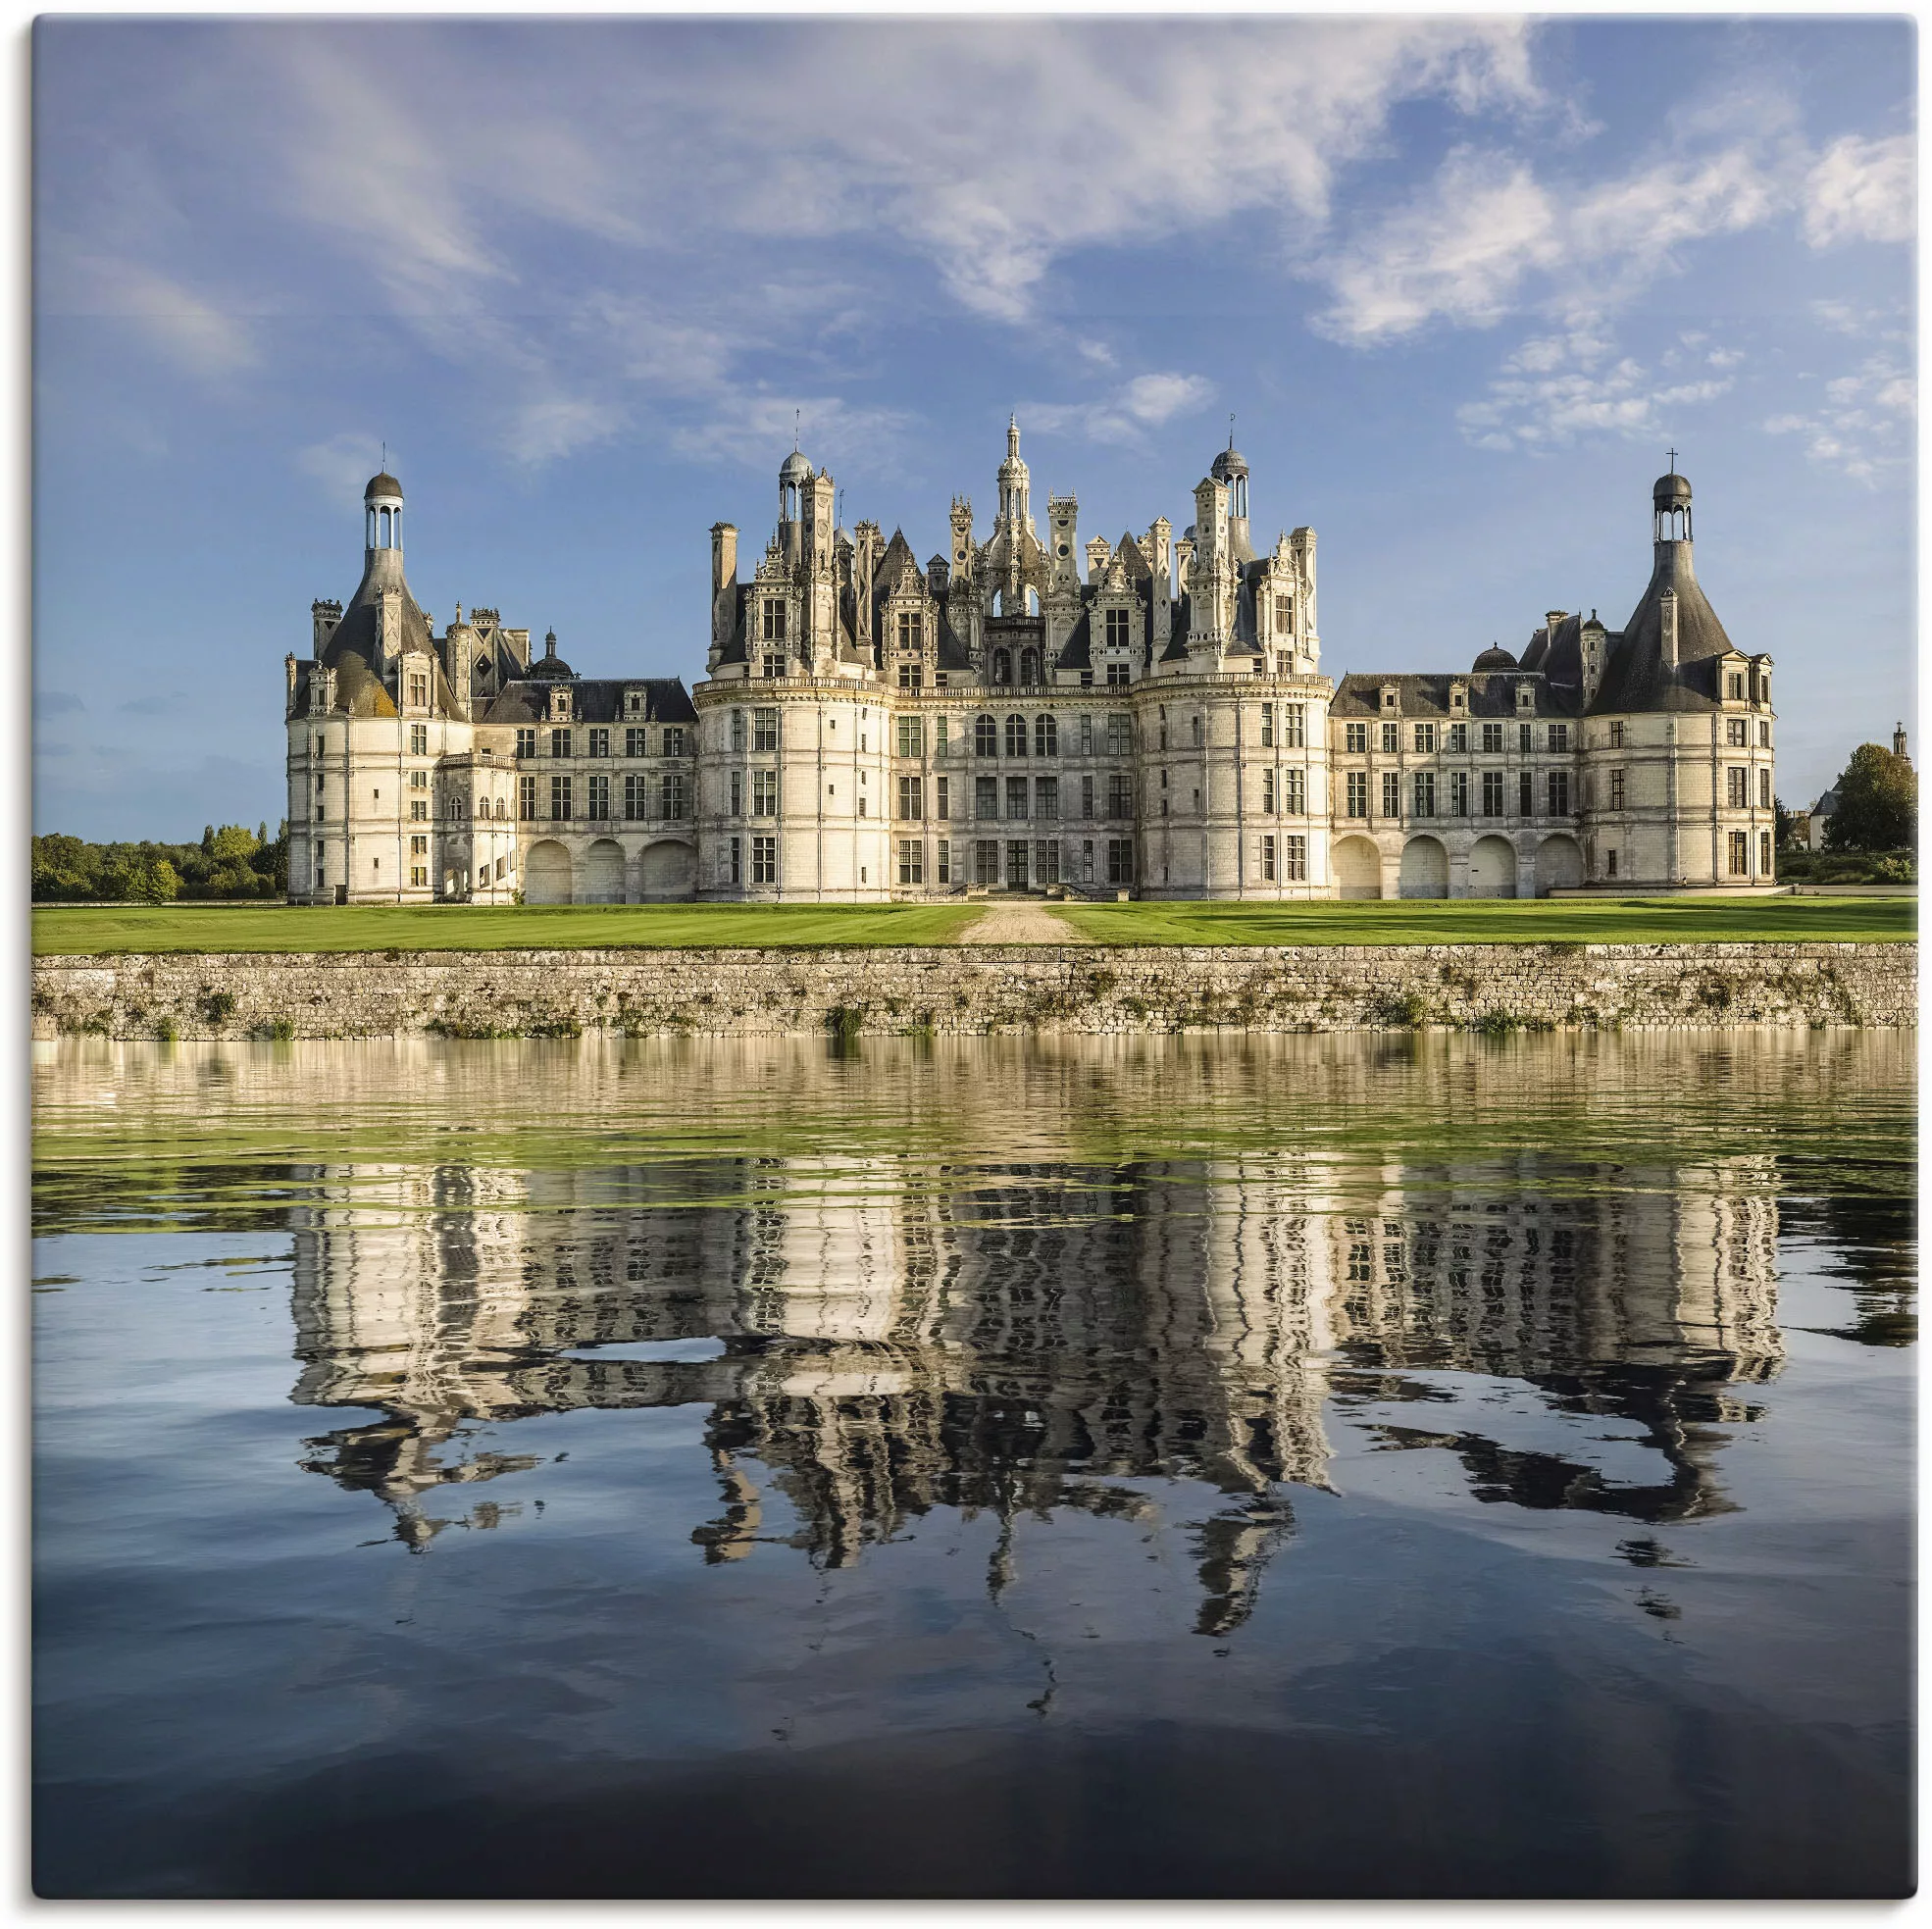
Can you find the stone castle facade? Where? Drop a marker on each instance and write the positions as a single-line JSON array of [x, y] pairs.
[[1024, 713]]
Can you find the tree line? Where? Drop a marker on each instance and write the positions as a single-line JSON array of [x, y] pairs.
[[229, 862]]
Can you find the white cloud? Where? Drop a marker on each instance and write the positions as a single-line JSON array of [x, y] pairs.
[[1555, 389], [1863, 190], [194, 331], [1865, 429], [746, 427], [1485, 238], [344, 463], [1125, 415], [543, 427]]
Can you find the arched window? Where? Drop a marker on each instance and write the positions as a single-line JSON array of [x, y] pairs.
[[1003, 666], [1029, 666], [1016, 736], [985, 736], [1046, 735]]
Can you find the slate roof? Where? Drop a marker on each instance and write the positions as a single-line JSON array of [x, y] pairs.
[[594, 700], [1636, 676], [1427, 694]]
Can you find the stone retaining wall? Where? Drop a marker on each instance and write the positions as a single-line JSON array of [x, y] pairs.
[[983, 988]]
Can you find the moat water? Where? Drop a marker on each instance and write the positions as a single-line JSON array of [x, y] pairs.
[[1311, 1466]]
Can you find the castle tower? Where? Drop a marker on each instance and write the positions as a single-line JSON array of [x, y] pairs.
[[1679, 771], [1015, 484]]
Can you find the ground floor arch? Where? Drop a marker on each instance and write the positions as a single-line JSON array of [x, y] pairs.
[[1493, 867], [603, 873], [668, 869], [1558, 865], [1425, 869], [547, 873], [1357, 868]]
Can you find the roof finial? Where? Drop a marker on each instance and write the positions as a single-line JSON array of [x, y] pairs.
[[1673, 462], [1231, 431], [798, 427]]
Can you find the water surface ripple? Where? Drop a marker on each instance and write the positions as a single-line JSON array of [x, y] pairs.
[[1210, 1466]]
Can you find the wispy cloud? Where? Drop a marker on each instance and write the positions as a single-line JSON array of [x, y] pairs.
[[1126, 414], [1863, 190], [1559, 387], [1863, 428], [747, 427]]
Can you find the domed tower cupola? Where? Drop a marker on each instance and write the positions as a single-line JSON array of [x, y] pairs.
[[1670, 504], [381, 515], [1231, 467], [1015, 482]]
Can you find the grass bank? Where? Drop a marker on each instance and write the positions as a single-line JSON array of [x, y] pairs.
[[88, 931], [1489, 920]]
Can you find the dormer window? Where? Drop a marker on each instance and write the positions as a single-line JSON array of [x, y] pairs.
[[1390, 697], [1458, 697], [1119, 628], [774, 620], [419, 690], [634, 703], [1284, 613], [912, 630], [1734, 686]]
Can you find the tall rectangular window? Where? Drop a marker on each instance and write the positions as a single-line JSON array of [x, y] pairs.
[[1492, 739], [1458, 738], [1425, 794], [560, 743], [600, 743], [1763, 854], [527, 742], [671, 794], [635, 743], [737, 730], [911, 676], [738, 793], [939, 736], [1560, 793], [1120, 793], [1616, 736], [1016, 796], [985, 796], [1355, 739], [1295, 867], [943, 805], [1087, 732], [1267, 726], [1392, 739], [674, 742], [418, 808], [912, 798], [1046, 796], [419, 846], [1086, 795], [1425, 739], [636, 795], [1392, 794], [1120, 734], [985, 861], [1491, 794], [1616, 790], [1458, 794], [763, 729], [1268, 792], [600, 805], [912, 737], [764, 860], [419, 740], [1740, 854], [1297, 794], [419, 691], [1358, 793], [1764, 735], [1526, 737], [912, 630], [1120, 860], [526, 796], [943, 853], [560, 797], [1018, 851], [1119, 628], [764, 793], [1117, 674], [1737, 796], [1560, 737], [1267, 860], [1284, 615], [1525, 795], [773, 621], [1764, 789], [1047, 735], [912, 861]]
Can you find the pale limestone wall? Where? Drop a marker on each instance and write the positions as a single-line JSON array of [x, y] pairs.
[[1081, 988]]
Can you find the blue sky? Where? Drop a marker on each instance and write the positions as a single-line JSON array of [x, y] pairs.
[[1461, 281]]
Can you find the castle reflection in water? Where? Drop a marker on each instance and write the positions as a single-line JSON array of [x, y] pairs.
[[892, 1336]]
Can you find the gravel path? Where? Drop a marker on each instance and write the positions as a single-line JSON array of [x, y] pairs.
[[1021, 922]]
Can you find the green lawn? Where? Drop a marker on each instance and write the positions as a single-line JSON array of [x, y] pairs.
[[1483, 920], [111, 928]]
